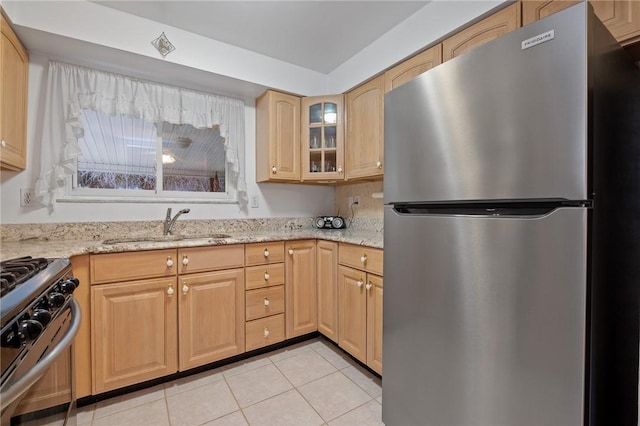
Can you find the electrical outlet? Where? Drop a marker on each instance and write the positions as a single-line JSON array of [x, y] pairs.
[[26, 197], [356, 201], [254, 201]]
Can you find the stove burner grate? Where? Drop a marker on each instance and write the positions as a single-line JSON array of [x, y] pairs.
[[14, 272]]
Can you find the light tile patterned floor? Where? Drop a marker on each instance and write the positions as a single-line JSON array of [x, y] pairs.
[[310, 383]]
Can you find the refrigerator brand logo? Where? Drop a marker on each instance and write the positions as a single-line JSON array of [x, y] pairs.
[[540, 38]]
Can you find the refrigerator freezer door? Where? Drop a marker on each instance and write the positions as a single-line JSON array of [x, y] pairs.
[[499, 122], [491, 330]]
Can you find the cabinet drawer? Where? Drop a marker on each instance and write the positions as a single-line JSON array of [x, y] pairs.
[[200, 259], [264, 302], [265, 276], [359, 257], [116, 267], [264, 253], [265, 331]]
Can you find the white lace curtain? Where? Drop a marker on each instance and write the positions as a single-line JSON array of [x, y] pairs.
[[72, 88]]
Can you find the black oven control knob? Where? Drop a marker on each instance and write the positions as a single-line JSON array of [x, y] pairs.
[[56, 299], [42, 316], [69, 285], [28, 330]]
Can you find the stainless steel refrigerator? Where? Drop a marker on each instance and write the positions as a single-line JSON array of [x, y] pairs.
[[512, 233]]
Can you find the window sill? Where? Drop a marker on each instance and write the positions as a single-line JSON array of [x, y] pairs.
[[135, 200]]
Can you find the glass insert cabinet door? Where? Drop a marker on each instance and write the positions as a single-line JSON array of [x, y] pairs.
[[323, 138]]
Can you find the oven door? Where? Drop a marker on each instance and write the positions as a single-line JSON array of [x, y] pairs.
[[43, 379]]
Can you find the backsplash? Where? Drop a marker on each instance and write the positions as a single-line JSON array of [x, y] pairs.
[[369, 208], [368, 217], [105, 230], [98, 231]]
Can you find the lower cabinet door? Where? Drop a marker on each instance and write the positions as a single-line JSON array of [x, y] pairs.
[[300, 288], [211, 316], [265, 331], [374, 323], [327, 269], [133, 332], [352, 313], [54, 388]]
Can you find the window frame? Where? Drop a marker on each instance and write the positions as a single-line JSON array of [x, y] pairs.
[[73, 193]]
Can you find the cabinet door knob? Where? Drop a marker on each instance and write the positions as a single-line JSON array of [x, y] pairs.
[[379, 164], [266, 302], [169, 262], [266, 253], [359, 283], [363, 258], [185, 288], [4, 144], [340, 169], [274, 170], [266, 276], [185, 260], [368, 286], [266, 332], [170, 290], [291, 252]]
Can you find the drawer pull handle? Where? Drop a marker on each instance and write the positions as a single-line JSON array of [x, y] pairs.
[[359, 283], [185, 289], [291, 252], [266, 332], [170, 290], [266, 252], [169, 262], [266, 276], [266, 302], [185, 260], [368, 286], [274, 169], [379, 164], [363, 258], [4, 144]]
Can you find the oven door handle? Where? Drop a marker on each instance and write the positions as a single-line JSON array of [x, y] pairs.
[[20, 386]]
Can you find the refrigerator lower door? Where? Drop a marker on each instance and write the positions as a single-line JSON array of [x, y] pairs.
[[484, 319]]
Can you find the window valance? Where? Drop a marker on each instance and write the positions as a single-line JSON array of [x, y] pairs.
[[72, 88]]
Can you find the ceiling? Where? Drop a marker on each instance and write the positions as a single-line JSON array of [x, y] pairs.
[[317, 35]]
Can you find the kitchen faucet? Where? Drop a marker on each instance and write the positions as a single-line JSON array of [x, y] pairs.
[[169, 222]]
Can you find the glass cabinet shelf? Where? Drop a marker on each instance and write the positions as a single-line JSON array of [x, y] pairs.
[[322, 138]]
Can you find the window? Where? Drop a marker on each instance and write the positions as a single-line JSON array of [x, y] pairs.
[[119, 138], [130, 157]]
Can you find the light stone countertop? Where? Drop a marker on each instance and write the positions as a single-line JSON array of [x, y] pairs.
[[71, 247]]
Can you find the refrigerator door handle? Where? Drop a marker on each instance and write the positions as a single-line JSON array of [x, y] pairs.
[[489, 209]]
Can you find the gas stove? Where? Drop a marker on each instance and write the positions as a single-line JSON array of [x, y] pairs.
[[38, 321], [25, 279]]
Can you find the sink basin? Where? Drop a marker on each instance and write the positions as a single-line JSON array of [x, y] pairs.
[[163, 238]]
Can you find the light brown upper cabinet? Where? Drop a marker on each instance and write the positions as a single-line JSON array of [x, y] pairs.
[[365, 131], [622, 18], [14, 68], [277, 137], [323, 138], [412, 67], [490, 28]]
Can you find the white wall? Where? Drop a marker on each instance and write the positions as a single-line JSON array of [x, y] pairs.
[[275, 200]]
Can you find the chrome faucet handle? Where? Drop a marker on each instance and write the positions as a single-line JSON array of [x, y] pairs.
[[169, 221]]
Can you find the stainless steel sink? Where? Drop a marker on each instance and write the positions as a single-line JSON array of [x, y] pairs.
[[164, 238]]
